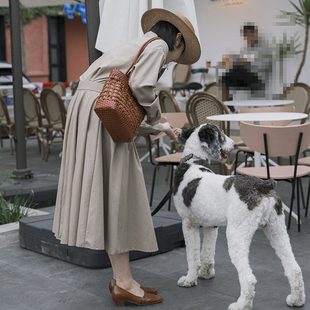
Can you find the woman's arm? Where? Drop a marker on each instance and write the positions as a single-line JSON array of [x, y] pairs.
[[144, 78]]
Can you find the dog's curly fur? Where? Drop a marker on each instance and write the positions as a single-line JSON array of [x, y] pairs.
[[241, 203]]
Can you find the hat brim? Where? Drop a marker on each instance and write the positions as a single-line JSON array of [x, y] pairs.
[[192, 50]]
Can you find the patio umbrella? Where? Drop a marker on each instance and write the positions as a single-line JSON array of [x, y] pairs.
[[21, 158], [120, 20]]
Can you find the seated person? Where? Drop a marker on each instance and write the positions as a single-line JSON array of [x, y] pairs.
[[249, 70]]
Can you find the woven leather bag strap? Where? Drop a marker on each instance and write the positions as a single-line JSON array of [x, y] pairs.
[[139, 53]]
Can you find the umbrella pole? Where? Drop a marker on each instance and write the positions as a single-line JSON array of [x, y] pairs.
[[92, 22], [20, 143]]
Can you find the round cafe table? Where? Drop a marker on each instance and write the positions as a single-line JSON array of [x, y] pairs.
[[257, 117], [258, 103]]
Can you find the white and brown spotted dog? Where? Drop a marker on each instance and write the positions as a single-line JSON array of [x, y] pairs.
[[241, 203]]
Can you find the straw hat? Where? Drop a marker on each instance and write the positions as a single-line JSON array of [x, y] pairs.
[[192, 50]]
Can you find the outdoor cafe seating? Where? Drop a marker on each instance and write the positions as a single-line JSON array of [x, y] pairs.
[[6, 123], [272, 141], [35, 122], [55, 113]]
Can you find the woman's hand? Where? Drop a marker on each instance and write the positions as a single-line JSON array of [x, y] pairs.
[[170, 131]]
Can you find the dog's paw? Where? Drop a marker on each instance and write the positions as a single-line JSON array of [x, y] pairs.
[[236, 306], [233, 306], [186, 282], [295, 301], [207, 273]]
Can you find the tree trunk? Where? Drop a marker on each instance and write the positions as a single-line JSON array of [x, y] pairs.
[[303, 55]]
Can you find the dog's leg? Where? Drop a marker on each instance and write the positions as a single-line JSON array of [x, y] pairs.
[[192, 242], [239, 235], [207, 253], [276, 232]]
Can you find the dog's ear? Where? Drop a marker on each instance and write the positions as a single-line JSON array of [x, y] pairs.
[[184, 134], [208, 136]]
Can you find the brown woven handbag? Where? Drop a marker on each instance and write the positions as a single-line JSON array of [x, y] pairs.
[[117, 108]]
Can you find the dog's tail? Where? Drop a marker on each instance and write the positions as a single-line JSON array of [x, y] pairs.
[[278, 205], [269, 187]]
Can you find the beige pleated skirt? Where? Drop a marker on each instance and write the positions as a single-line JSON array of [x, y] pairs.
[[101, 200]]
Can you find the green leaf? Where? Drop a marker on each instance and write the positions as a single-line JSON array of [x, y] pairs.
[[297, 8], [8, 173]]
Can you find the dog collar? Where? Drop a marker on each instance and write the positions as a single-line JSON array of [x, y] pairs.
[[188, 157]]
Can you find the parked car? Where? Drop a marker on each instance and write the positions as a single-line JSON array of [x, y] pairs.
[[6, 82]]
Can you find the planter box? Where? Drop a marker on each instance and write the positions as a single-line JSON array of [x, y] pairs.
[[9, 233], [36, 235]]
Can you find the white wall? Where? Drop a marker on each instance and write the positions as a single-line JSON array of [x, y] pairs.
[[219, 25]]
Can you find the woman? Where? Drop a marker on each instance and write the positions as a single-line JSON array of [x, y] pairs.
[[102, 201]]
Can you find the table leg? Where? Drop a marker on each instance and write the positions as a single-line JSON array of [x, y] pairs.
[[257, 159], [287, 209]]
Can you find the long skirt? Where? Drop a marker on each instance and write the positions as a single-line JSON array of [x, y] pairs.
[[101, 200]]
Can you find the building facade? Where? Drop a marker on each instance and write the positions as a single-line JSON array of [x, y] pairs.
[[55, 48]]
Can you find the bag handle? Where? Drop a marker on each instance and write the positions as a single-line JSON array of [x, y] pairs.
[[139, 53]]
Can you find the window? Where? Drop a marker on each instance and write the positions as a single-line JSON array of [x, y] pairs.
[[57, 49], [2, 39]]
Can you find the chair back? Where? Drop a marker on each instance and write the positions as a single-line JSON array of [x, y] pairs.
[[168, 104], [32, 108], [53, 108], [4, 113], [59, 88], [203, 104], [269, 109], [176, 119], [281, 140], [181, 73], [214, 89], [300, 93]]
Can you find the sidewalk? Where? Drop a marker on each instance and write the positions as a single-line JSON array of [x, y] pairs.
[[33, 281]]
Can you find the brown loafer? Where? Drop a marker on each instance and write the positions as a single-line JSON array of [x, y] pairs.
[[120, 295], [151, 290]]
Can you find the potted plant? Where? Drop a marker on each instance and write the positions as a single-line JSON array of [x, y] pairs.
[[13, 211], [302, 18]]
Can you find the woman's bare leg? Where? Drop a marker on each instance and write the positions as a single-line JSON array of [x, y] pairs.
[[122, 274]]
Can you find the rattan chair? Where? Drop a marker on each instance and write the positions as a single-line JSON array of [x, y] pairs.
[[59, 88], [6, 123], [34, 122], [273, 141], [55, 114], [300, 93], [203, 104], [214, 89], [167, 102]]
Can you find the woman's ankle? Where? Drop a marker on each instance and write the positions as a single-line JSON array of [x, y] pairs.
[[131, 286]]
